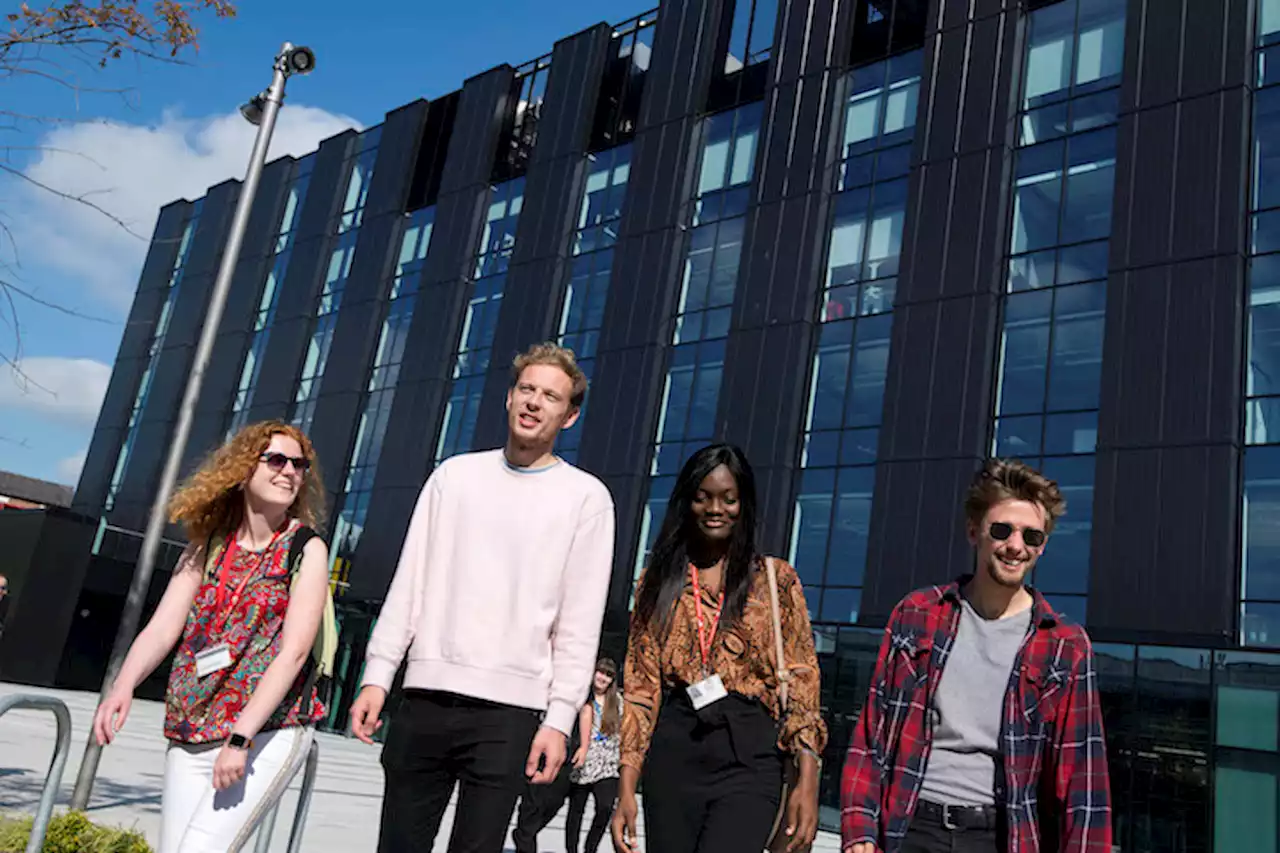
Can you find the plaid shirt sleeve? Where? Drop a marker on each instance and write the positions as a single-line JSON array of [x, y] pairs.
[[863, 775], [1081, 780]]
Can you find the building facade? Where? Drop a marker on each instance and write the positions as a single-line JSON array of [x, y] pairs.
[[872, 242]]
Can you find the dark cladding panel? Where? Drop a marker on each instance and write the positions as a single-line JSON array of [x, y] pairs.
[[380, 545], [216, 394], [480, 117], [162, 253], [764, 392], [624, 401], [354, 340], [192, 303], [573, 87], [683, 61], [332, 432], [662, 174], [99, 465], [812, 35], [397, 153], [917, 535], [642, 289], [1165, 519], [780, 283], [279, 374]]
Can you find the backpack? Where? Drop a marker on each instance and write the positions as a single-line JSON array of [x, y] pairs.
[[325, 648]]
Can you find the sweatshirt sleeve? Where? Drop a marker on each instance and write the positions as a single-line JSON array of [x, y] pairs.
[[576, 637], [394, 630]]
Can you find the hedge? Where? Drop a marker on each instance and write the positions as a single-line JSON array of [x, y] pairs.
[[71, 832]]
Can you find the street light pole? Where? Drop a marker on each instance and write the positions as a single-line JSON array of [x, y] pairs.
[[262, 111]]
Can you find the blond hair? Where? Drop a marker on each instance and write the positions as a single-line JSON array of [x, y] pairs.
[[211, 502], [556, 356], [1011, 479]]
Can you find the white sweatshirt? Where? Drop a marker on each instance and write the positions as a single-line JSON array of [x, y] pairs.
[[501, 586]]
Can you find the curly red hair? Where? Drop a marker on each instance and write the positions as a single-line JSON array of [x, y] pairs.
[[211, 501]]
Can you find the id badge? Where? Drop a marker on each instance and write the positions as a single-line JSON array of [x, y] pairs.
[[706, 691], [213, 659]]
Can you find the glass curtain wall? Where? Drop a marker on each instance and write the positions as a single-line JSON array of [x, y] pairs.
[[700, 326], [846, 386], [360, 167], [1050, 358]]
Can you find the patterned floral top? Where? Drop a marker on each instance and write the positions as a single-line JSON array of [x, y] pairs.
[[203, 710], [743, 656], [602, 752]]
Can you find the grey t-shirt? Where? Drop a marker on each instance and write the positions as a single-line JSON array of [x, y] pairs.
[[968, 707]]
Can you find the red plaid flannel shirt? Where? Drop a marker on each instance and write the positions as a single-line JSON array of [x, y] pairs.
[[1055, 786]]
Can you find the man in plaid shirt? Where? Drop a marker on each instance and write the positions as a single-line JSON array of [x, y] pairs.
[[983, 730]]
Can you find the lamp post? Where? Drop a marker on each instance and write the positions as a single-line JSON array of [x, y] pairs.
[[261, 110]]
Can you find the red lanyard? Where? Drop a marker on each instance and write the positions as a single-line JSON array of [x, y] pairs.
[[223, 606], [706, 635]]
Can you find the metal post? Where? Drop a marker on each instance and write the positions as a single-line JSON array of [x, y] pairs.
[[304, 798], [62, 748], [272, 100], [266, 829]]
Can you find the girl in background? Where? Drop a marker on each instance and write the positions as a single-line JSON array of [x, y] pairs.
[[596, 761]]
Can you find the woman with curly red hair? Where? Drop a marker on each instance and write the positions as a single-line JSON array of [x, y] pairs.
[[244, 605]]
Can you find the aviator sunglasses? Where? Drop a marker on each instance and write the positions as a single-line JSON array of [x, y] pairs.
[[1032, 536], [276, 462]]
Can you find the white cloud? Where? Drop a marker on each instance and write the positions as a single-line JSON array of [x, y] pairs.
[[131, 171], [69, 468], [66, 390]]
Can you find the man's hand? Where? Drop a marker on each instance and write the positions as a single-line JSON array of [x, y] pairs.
[[547, 751], [366, 712]]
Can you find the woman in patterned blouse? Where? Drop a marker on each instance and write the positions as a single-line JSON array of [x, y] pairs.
[[702, 712], [241, 702]]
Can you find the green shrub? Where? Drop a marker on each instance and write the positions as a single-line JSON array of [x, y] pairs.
[[71, 832]]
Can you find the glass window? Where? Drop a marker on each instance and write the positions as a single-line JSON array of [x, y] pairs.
[[582, 311], [1244, 809], [475, 343], [751, 34], [700, 326], [832, 510], [1053, 313]]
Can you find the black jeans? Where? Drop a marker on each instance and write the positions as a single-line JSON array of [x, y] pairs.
[[538, 805], [605, 793], [438, 740], [712, 778], [926, 835]]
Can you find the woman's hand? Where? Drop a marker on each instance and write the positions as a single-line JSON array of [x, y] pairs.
[[624, 824], [228, 770], [802, 806], [111, 714], [580, 757]]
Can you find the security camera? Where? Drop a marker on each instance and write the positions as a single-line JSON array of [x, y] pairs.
[[300, 60], [252, 110]]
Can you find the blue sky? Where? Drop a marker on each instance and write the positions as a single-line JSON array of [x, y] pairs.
[[165, 131]]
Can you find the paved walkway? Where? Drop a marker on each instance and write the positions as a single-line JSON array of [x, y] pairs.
[[344, 807]]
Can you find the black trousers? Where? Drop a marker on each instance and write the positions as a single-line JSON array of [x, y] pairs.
[[538, 805], [605, 794], [926, 835], [438, 740], [712, 778]]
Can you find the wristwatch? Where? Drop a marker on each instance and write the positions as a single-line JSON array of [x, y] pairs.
[[239, 741]]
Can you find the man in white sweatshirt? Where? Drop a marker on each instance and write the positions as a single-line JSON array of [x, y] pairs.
[[498, 600]]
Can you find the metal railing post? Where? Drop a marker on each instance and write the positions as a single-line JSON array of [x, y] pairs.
[[52, 779], [266, 829], [304, 798]]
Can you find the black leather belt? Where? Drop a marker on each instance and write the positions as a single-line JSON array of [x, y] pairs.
[[958, 817]]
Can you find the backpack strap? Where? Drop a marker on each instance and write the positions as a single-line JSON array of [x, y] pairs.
[[301, 537], [315, 681]]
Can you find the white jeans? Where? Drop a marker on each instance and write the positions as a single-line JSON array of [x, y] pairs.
[[197, 819]]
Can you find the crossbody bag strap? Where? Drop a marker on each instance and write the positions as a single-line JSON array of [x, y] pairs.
[[784, 671]]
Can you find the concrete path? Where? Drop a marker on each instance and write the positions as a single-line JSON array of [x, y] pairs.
[[344, 807]]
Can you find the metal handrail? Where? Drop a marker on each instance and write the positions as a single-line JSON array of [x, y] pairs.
[[268, 826], [52, 779]]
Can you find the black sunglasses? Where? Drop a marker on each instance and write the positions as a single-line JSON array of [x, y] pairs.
[[1034, 537], [277, 461]]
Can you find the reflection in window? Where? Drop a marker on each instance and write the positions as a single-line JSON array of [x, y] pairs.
[[885, 27], [475, 345], [750, 34], [582, 313], [176, 275], [622, 86], [1260, 512], [264, 318], [1050, 361], [346, 232], [352, 506], [829, 526], [700, 328], [529, 89]]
